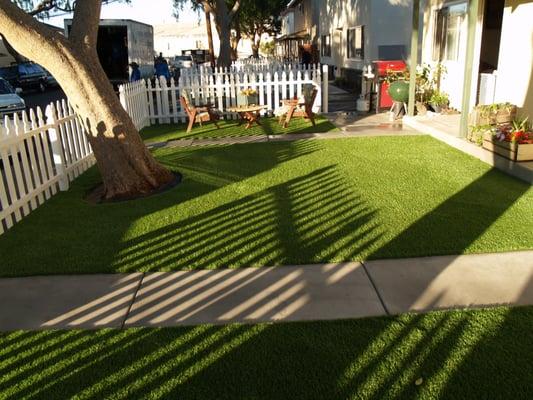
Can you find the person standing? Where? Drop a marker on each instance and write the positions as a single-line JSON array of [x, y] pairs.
[[161, 67], [135, 72]]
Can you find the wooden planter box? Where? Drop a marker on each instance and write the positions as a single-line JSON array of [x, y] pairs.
[[478, 118], [510, 150]]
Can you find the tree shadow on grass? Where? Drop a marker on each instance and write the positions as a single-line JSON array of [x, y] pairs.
[[232, 128]]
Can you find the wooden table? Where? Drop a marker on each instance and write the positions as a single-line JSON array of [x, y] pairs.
[[248, 114]]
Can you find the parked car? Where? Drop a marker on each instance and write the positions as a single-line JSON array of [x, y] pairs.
[[10, 101], [182, 62], [51, 82], [27, 76]]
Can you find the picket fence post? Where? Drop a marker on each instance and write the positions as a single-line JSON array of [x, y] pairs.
[[57, 148], [325, 88]]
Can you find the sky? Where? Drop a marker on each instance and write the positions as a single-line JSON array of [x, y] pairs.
[[152, 12]]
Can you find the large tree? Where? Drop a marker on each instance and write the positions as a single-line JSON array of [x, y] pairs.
[[257, 17], [224, 12], [127, 167]]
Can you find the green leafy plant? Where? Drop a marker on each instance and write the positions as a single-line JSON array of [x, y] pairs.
[[427, 79], [521, 124], [476, 133], [439, 98]]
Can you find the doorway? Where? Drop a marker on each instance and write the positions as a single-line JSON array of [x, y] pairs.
[[451, 28], [490, 50]]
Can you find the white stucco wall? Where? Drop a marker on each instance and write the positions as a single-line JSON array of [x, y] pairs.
[[386, 22], [515, 66], [390, 25], [171, 39]]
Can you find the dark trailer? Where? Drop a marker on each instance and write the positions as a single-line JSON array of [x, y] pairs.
[[121, 42]]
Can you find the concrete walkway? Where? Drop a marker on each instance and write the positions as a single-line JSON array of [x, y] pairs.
[[311, 292]]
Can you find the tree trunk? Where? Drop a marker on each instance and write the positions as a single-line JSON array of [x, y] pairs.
[[255, 50], [224, 34], [235, 43], [127, 167], [209, 37], [256, 41], [223, 20]]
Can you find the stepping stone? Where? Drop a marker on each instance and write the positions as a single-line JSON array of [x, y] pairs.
[[312, 292], [179, 143], [82, 301], [229, 140]]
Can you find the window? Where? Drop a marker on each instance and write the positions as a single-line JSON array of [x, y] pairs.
[[326, 45], [5, 88], [448, 33], [355, 42]]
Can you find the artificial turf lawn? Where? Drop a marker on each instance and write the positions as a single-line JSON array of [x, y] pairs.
[[282, 203], [481, 354], [231, 128]]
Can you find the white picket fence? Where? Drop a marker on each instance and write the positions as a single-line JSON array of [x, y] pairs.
[[39, 155], [251, 66], [149, 103]]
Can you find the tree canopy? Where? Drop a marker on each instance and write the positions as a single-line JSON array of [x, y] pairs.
[[224, 13], [257, 17], [47, 8]]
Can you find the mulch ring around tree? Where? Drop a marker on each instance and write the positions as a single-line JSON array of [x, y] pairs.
[[96, 195]]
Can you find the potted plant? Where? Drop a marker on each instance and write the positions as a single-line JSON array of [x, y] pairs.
[[505, 113], [513, 141], [248, 97], [492, 114], [439, 101]]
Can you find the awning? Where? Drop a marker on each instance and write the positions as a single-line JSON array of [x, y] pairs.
[[302, 35]]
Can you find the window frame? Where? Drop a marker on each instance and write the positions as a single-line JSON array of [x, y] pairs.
[[325, 45], [441, 45], [358, 52]]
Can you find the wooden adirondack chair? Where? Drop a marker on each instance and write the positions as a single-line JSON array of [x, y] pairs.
[[300, 108], [202, 114]]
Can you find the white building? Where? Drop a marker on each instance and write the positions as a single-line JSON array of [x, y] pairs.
[[172, 39], [502, 66], [346, 34]]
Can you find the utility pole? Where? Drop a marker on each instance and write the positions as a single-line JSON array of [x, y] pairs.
[[209, 37]]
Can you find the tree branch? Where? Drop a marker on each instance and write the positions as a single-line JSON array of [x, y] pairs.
[[27, 35], [207, 7], [85, 24], [234, 9], [43, 6]]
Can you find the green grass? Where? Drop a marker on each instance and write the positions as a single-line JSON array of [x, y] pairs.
[[482, 354], [231, 128], [280, 203]]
